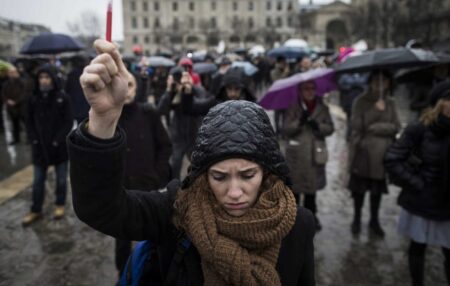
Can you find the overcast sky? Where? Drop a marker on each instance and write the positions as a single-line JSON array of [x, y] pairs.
[[55, 14]]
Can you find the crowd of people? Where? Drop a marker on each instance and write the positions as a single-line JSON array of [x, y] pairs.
[[134, 125]]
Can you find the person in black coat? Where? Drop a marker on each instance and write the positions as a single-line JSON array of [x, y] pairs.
[[49, 120], [235, 204], [420, 163], [184, 123], [80, 107], [147, 155]]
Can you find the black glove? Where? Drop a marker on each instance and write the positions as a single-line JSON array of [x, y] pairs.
[[313, 124], [304, 117]]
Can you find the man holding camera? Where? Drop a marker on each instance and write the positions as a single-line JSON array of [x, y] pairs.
[[185, 121]]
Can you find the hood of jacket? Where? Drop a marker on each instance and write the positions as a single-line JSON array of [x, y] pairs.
[[50, 71], [235, 77], [237, 129]]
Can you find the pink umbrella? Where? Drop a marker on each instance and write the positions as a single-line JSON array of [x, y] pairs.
[[284, 92]]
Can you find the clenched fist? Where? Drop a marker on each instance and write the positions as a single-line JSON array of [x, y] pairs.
[[105, 86]]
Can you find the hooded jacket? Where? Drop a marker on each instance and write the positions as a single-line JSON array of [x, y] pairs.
[[49, 120]]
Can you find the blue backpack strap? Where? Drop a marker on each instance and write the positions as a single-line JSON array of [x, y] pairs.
[[132, 272], [183, 244]]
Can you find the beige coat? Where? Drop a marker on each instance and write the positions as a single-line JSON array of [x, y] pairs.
[[307, 176], [374, 131]]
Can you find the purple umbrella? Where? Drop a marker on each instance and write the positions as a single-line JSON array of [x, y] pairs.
[[284, 92]]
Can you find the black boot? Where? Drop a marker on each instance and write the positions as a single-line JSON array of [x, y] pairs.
[[416, 259], [375, 227], [358, 200], [446, 252]]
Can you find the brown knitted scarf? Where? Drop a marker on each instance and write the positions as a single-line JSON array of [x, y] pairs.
[[237, 250]]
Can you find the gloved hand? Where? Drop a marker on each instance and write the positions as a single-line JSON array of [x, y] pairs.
[[313, 124], [304, 117]]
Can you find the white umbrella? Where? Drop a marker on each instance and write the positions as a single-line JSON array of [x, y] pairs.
[[256, 50], [298, 43]]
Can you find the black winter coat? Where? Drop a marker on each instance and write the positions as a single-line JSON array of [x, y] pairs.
[[148, 148], [416, 163], [184, 125], [49, 119], [80, 106], [96, 168]]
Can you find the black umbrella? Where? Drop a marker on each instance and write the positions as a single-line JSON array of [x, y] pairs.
[[387, 59], [204, 68], [50, 43], [287, 52], [422, 73]]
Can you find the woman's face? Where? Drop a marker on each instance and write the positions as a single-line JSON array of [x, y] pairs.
[[379, 81], [446, 107], [235, 184], [308, 91]]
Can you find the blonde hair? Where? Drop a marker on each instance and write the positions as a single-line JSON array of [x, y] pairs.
[[431, 114]]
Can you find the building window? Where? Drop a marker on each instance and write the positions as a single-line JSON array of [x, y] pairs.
[[289, 22], [191, 6], [235, 6], [156, 6], [235, 22], [268, 5], [133, 6], [250, 6], [145, 6], [280, 6], [213, 22], [145, 22], [213, 5], [135, 40], [279, 22], [175, 6], [191, 23], [290, 6], [134, 22], [157, 24], [176, 23], [157, 39], [268, 22], [250, 23], [146, 40]]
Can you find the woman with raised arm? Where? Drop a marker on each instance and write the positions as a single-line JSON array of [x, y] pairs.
[[235, 205]]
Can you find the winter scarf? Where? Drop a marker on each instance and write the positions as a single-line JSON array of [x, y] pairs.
[[237, 250]]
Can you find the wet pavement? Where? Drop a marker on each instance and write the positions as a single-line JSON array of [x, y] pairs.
[[67, 252]]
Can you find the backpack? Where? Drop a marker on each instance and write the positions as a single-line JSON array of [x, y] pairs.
[[145, 253]]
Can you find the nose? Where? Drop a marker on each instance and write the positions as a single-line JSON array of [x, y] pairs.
[[234, 191]]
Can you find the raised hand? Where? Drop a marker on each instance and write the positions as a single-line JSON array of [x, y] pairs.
[[105, 86]]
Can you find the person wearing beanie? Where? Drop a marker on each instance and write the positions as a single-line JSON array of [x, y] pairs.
[[419, 162], [49, 119], [235, 205]]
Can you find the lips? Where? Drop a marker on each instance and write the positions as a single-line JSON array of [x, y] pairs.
[[237, 206]]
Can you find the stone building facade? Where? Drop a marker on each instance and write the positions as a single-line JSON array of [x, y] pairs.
[[13, 36], [176, 25]]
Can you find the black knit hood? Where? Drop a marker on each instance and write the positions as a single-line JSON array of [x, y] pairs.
[[235, 77], [237, 129]]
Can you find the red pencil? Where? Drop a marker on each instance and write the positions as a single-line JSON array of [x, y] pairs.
[[109, 21]]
